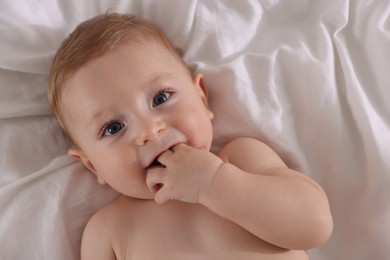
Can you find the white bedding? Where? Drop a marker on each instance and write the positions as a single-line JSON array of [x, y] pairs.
[[310, 78]]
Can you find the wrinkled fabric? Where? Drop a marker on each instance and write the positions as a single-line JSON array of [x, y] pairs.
[[309, 78]]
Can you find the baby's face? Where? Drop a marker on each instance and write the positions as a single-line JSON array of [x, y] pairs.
[[130, 105]]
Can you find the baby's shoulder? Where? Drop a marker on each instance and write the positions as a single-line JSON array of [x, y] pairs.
[[243, 147], [103, 231], [250, 154], [111, 218]]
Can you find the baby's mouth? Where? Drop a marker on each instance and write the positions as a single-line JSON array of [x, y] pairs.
[[155, 163]]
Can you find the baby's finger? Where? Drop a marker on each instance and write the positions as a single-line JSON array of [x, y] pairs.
[[155, 179], [164, 157], [179, 146], [161, 196]]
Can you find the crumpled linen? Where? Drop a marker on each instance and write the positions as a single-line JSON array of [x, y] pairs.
[[309, 78]]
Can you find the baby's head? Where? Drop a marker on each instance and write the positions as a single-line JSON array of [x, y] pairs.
[[94, 38], [124, 95]]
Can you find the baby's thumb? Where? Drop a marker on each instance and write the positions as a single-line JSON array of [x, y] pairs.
[[161, 196]]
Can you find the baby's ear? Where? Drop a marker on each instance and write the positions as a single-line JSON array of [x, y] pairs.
[[200, 87], [202, 91], [79, 155]]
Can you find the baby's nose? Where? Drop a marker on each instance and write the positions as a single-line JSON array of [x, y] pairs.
[[149, 130]]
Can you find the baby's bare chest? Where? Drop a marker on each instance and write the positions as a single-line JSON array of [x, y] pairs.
[[193, 233]]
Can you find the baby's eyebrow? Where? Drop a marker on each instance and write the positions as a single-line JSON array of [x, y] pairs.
[[157, 78], [93, 121]]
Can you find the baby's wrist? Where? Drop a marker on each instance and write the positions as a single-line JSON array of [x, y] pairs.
[[204, 196]]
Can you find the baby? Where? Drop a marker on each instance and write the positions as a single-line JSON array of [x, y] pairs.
[[140, 121]]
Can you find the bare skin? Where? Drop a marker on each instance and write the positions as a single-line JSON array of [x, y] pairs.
[[137, 229], [141, 229], [143, 126]]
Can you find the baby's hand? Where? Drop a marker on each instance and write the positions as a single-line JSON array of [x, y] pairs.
[[188, 174]]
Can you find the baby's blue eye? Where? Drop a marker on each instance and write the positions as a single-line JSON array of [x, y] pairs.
[[112, 128], [160, 98]]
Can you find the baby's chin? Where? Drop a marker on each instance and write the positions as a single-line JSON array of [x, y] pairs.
[[142, 196]]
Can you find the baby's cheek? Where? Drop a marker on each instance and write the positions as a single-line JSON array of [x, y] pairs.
[[202, 129]]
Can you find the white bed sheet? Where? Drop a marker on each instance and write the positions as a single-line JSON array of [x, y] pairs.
[[310, 78]]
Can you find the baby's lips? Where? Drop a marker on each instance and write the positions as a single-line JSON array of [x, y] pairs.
[[155, 164]]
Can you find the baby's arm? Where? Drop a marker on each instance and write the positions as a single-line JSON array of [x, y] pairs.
[[255, 189], [250, 186]]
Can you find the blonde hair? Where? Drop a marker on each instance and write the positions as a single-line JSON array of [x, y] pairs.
[[92, 39]]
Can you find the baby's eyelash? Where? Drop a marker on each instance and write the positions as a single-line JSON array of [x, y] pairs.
[[165, 89], [162, 96], [104, 128]]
